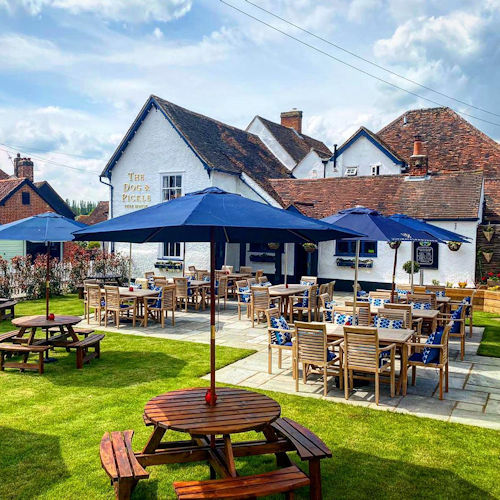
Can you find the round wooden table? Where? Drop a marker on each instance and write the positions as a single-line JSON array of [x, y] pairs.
[[236, 411], [64, 323]]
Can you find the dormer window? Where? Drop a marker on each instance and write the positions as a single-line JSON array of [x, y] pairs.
[[375, 169], [351, 171]]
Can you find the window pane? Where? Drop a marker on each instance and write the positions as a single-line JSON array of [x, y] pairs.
[[165, 181], [178, 181]]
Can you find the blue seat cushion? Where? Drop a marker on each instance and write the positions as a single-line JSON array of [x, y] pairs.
[[421, 305], [266, 283], [380, 322], [439, 293], [328, 309], [277, 337], [456, 324], [245, 290], [362, 293], [306, 283], [416, 356], [378, 302], [330, 355], [157, 304], [430, 355], [342, 319]]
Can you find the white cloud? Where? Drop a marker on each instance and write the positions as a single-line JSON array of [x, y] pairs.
[[133, 11], [158, 33]]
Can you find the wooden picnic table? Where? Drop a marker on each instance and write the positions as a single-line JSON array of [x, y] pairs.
[[386, 336], [284, 292]]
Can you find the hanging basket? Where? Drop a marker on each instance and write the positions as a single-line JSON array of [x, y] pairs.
[[454, 246], [488, 232], [273, 246], [394, 244], [488, 256], [309, 247]]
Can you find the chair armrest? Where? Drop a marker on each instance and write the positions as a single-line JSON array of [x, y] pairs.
[[416, 344], [270, 329], [335, 342], [388, 348]]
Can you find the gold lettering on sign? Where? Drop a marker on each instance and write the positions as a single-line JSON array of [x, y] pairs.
[[132, 189]]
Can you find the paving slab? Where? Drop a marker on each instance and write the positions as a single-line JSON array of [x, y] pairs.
[[473, 418]]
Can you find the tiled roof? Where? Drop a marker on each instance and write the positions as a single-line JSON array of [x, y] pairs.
[[54, 200], [451, 143], [4, 175], [99, 214], [9, 185], [297, 145], [448, 196], [225, 148], [492, 199]]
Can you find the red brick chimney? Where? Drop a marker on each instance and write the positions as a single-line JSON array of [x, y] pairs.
[[23, 167], [419, 165], [292, 119]]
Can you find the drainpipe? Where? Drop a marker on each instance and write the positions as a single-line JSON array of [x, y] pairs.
[[334, 157]]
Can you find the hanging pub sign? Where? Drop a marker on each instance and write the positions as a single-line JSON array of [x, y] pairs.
[[426, 254]]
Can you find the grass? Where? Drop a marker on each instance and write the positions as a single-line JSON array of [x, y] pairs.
[[51, 426], [490, 343]]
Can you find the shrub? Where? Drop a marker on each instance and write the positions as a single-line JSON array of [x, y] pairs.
[[407, 267]]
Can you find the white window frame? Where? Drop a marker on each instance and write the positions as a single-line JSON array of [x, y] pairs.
[[375, 169], [171, 257], [170, 174], [351, 171]]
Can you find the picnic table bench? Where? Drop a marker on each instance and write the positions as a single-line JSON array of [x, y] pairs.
[[26, 350], [7, 307]]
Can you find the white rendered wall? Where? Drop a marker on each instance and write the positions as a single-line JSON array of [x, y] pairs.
[[453, 266], [310, 164], [363, 154], [259, 129]]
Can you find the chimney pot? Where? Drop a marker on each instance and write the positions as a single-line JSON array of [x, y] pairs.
[[417, 145], [292, 119]]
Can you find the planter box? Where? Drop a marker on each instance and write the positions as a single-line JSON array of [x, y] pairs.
[[169, 266], [262, 258], [366, 263]]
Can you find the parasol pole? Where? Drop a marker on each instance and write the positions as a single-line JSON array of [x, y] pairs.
[[412, 265], [47, 282], [212, 316], [130, 264], [356, 266], [393, 288], [286, 265]]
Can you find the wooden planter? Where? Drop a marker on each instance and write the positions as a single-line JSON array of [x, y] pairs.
[[488, 234], [487, 256]]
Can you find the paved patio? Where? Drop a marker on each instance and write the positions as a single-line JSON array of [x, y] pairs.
[[474, 384]]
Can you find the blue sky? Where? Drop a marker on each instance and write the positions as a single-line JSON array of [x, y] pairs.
[[74, 73]]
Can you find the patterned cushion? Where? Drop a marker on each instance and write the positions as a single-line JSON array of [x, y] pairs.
[[206, 278], [245, 290], [430, 355], [342, 319], [362, 293], [456, 324], [466, 302], [380, 322], [399, 291], [277, 337], [378, 302], [383, 358], [328, 309], [266, 283], [151, 283], [305, 300], [439, 293], [158, 302], [421, 305], [306, 283]]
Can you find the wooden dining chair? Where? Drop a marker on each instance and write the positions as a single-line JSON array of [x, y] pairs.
[[263, 279], [183, 292], [94, 301], [457, 318], [363, 312], [220, 290], [117, 305], [439, 290], [423, 354], [245, 270], [331, 287], [228, 269], [423, 300], [414, 323], [323, 288], [392, 315], [309, 280], [261, 301], [259, 273], [325, 307], [378, 299], [280, 334], [251, 282], [149, 274], [363, 354], [202, 274], [303, 304], [243, 297], [158, 307], [160, 281], [312, 349]]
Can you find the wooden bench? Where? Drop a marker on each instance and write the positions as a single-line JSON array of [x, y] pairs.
[[8, 335], [82, 347], [26, 350], [285, 480], [7, 309], [308, 446], [119, 462]]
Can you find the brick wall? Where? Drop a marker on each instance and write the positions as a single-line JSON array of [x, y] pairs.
[[13, 209], [493, 246]]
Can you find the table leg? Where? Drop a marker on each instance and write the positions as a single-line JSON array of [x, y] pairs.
[[315, 492], [402, 372], [31, 338], [282, 459], [228, 450], [154, 440]]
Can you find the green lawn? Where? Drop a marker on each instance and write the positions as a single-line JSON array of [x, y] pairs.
[[490, 343], [51, 426]]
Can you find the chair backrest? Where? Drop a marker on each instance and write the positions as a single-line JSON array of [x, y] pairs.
[[260, 297], [245, 270], [192, 269], [241, 284], [167, 297], [251, 281], [263, 279], [200, 273], [400, 286], [160, 281], [437, 289], [93, 295], [363, 312], [402, 307], [274, 312], [310, 279], [149, 274], [323, 288], [380, 295], [229, 269], [112, 296], [324, 298], [423, 298], [222, 288], [395, 315], [219, 273], [361, 348], [311, 342], [331, 286], [181, 287], [444, 341], [347, 311], [259, 273]]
